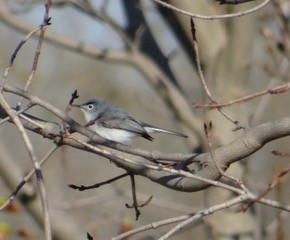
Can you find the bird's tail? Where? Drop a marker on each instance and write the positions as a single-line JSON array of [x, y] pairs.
[[150, 128]]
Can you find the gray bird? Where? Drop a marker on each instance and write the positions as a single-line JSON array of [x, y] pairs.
[[114, 123]]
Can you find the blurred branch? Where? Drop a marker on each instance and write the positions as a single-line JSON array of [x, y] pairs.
[[67, 43], [270, 187], [26, 178], [213, 17], [233, 1], [102, 15], [147, 43]]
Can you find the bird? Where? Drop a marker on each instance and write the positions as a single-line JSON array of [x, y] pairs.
[[115, 124]]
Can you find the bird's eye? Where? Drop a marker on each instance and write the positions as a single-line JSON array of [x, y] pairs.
[[90, 106]]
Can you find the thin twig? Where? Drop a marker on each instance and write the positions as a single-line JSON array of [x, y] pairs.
[[233, 1], [262, 106], [153, 225], [275, 90], [202, 78], [42, 27], [27, 178], [74, 96], [213, 17], [18, 113], [206, 212], [281, 154], [188, 217], [269, 188], [97, 185], [208, 134], [14, 54], [135, 203]]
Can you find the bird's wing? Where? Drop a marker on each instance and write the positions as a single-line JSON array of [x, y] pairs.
[[123, 122]]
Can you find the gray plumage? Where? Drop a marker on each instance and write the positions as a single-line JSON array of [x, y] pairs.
[[115, 124]]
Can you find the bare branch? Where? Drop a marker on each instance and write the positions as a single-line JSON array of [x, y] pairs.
[[253, 139], [97, 185], [202, 78], [275, 90], [213, 17], [233, 1], [28, 177]]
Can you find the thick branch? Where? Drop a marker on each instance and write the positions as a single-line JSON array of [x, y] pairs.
[[202, 164]]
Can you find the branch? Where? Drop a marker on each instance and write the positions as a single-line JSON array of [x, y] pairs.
[[275, 90], [202, 78], [252, 140], [213, 17], [233, 1]]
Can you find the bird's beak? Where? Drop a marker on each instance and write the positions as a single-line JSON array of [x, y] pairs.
[[76, 105]]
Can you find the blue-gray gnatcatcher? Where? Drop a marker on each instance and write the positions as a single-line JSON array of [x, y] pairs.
[[114, 123]]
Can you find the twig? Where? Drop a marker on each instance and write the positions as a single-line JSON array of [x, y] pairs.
[[74, 96], [97, 185], [280, 154], [14, 54], [268, 189], [275, 90], [208, 135], [39, 179], [188, 217], [135, 204], [233, 1], [27, 177], [89, 236], [102, 16], [205, 212], [18, 113], [152, 225], [42, 27], [201, 76], [263, 104], [213, 17]]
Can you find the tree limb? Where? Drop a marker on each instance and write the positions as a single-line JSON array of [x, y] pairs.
[[251, 141]]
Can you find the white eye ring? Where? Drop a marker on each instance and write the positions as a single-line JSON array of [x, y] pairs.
[[90, 106]]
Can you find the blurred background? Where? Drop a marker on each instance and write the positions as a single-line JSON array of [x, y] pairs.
[[139, 56]]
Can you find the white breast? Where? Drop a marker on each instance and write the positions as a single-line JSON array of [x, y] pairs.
[[116, 135]]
